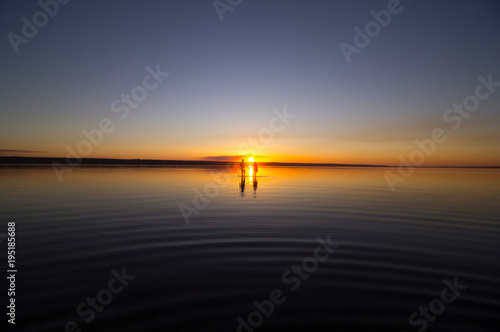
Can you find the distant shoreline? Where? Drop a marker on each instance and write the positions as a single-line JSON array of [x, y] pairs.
[[153, 162], [102, 162]]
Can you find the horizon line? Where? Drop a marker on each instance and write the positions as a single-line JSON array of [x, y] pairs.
[[166, 162]]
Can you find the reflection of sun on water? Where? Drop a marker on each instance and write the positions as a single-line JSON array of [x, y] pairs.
[[250, 169], [250, 174]]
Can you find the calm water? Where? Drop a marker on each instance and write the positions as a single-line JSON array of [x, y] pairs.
[[394, 250]]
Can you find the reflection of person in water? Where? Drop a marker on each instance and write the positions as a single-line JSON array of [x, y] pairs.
[[242, 187], [255, 183]]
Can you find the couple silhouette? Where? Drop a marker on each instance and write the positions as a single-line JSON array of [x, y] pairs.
[[254, 167]]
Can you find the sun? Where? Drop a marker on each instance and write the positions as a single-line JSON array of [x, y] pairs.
[[251, 159]]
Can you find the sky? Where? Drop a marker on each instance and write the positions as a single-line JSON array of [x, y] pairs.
[[267, 78]]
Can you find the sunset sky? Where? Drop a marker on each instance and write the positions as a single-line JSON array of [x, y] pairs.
[[225, 78]]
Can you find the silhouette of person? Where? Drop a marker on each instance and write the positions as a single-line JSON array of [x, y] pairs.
[[255, 183], [242, 167], [255, 169]]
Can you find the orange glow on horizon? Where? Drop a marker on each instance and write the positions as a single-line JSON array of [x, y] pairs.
[[453, 153]]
